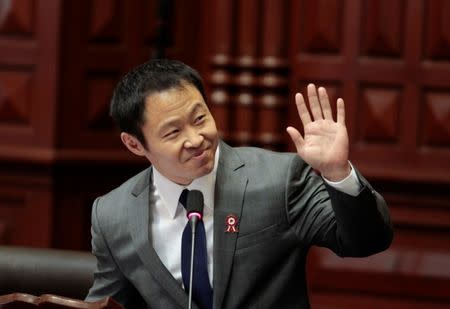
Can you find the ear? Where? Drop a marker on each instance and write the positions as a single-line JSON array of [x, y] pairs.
[[133, 144]]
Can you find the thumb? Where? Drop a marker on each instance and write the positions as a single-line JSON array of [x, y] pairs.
[[296, 138]]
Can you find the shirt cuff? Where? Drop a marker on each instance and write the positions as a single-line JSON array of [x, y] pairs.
[[350, 184]]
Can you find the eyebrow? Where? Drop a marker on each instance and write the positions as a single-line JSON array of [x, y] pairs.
[[197, 106]]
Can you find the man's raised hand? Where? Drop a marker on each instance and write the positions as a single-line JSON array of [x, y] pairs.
[[325, 145]]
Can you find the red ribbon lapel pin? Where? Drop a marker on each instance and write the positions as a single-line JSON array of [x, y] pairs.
[[231, 222]]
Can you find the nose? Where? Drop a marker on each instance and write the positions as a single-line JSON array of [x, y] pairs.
[[194, 139]]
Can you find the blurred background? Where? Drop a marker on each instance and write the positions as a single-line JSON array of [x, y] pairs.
[[388, 59]]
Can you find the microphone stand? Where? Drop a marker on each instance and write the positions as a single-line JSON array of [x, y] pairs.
[[191, 273]]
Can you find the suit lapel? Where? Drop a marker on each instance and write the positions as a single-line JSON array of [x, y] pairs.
[[229, 193], [139, 218]]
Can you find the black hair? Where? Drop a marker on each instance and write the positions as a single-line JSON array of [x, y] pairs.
[[128, 100]]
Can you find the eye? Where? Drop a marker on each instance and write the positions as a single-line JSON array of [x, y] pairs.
[[200, 118], [171, 133]]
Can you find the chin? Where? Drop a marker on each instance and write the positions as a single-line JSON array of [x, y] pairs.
[[206, 169]]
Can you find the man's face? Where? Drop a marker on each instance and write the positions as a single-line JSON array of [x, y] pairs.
[[181, 134]]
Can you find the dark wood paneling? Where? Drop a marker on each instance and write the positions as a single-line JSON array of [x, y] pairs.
[[59, 62], [26, 202], [28, 76], [247, 72], [28, 86], [396, 96], [394, 78], [102, 40], [388, 59]]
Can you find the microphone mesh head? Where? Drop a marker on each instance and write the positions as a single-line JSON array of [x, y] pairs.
[[195, 202]]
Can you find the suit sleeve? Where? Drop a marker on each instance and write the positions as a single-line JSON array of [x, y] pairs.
[[108, 279], [321, 215]]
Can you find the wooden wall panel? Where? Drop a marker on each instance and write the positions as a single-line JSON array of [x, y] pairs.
[[382, 24], [25, 208], [19, 18], [97, 52], [116, 36], [381, 57], [247, 70], [16, 83], [319, 26], [15, 106], [437, 33], [379, 114], [104, 25], [28, 83], [389, 64], [435, 126]]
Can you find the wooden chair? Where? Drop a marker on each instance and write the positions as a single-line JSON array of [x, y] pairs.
[[48, 301]]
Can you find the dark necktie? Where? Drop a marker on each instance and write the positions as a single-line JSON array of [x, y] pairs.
[[202, 293]]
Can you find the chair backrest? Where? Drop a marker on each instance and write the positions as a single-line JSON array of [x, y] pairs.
[[46, 271]]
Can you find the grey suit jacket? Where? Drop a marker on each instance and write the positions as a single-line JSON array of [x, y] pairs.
[[283, 208]]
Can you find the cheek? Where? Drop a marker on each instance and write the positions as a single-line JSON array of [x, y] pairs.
[[166, 153], [175, 153], [211, 131]]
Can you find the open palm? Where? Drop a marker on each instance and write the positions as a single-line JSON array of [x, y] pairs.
[[325, 143]]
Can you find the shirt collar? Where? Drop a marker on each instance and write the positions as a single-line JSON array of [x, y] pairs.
[[169, 191]]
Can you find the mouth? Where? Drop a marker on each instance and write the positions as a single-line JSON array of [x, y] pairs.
[[199, 154]]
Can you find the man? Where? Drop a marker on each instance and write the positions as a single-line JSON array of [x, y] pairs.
[[262, 210]]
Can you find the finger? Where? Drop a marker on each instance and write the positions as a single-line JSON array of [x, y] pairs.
[[302, 110], [340, 111], [314, 104], [296, 137], [325, 103]]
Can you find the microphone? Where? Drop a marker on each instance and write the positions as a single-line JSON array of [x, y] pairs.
[[194, 210]]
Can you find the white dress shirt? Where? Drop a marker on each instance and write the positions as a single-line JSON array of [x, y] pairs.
[[169, 218]]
